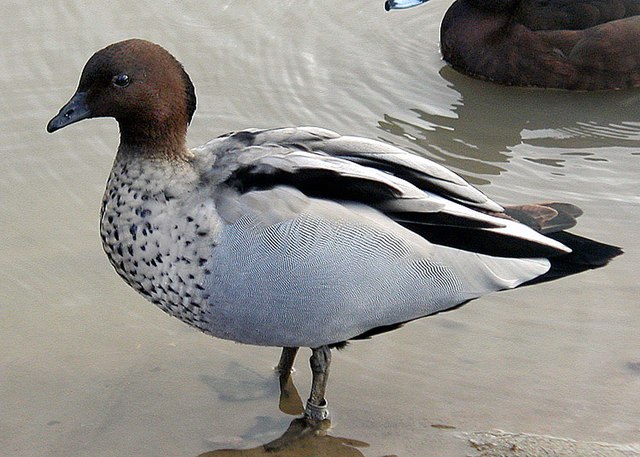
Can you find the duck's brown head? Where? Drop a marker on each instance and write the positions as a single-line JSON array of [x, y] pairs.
[[139, 84]]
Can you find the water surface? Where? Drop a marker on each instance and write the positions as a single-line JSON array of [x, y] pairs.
[[89, 368]]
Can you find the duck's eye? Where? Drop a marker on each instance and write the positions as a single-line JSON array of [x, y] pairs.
[[121, 80]]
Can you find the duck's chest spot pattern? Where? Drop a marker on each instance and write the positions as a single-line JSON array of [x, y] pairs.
[[155, 247]]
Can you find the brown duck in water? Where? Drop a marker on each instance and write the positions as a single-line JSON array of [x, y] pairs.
[[565, 44]]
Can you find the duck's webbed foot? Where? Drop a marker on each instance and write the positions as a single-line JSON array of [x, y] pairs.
[[290, 402], [299, 429]]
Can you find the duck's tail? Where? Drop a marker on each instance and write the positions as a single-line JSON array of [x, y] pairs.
[[552, 219], [586, 254]]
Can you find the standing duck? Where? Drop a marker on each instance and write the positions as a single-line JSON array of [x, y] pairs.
[[564, 44], [297, 237]]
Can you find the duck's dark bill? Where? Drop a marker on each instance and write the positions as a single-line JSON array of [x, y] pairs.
[[402, 4], [75, 110]]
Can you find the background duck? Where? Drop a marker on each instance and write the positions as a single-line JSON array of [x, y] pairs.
[[565, 44]]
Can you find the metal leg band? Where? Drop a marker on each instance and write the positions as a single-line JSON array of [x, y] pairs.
[[316, 412]]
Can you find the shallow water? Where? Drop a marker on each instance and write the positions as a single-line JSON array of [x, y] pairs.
[[89, 368]]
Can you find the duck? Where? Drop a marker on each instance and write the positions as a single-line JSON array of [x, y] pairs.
[[561, 44], [298, 236]]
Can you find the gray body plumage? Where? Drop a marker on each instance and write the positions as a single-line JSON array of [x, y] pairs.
[[294, 237]]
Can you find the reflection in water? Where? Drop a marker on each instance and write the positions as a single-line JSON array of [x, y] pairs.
[[313, 443], [239, 384], [301, 438], [488, 121]]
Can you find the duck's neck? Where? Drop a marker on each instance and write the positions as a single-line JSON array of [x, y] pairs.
[[153, 142]]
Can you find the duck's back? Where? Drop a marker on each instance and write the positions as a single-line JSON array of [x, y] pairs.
[[572, 14], [579, 45]]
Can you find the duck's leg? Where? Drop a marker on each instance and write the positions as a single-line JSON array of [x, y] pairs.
[[316, 409], [285, 365], [290, 402]]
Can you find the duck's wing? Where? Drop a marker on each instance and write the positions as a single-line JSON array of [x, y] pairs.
[[419, 171], [410, 190]]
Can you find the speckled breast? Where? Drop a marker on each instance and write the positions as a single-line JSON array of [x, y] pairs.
[[157, 247]]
